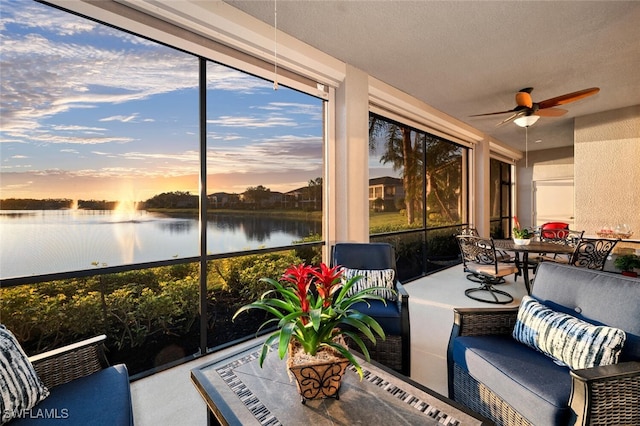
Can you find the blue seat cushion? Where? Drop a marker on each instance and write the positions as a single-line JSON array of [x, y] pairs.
[[528, 380], [388, 316], [102, 398]]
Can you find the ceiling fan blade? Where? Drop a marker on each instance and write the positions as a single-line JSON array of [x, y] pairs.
[[492, 113], [569, 97], [551, 112], [511, 118]]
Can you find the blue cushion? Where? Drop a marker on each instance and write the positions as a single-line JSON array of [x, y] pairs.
[[527, 380], [102, 398], [388, 316]]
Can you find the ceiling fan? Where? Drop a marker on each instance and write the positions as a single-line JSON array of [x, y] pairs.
[[526, 107]]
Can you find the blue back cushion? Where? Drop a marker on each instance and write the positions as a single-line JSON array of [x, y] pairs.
[[364, 255], [600, 298]]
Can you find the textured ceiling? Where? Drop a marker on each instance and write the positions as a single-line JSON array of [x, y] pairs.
[[471, 57]]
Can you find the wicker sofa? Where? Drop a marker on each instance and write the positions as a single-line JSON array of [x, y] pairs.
[[514, 384], [84, 389]]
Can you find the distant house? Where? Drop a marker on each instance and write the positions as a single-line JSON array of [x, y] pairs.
[[263, 199], [385, 193], [276, 199], [220, 200], [305, 198]]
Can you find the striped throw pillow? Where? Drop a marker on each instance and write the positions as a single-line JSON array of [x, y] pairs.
[[567, 339], [20, 386], [384, 278]]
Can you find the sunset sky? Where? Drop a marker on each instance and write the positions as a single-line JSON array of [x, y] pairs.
[[90, 112]]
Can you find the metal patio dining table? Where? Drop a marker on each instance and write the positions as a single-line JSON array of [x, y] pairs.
[[537, 247]]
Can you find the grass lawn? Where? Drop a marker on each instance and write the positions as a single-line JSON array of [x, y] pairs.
[[380, 222]]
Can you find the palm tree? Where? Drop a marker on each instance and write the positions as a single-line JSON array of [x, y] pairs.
[[405, 156], [408, 150]]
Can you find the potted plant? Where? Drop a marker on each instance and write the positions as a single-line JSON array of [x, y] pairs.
[[627, 263], [521, 236], [309, 320]]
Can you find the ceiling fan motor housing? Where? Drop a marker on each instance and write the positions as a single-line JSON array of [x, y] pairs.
[[523, 97]]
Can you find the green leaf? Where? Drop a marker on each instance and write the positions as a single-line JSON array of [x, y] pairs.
[[358, 341], [372, 323], [281, 304], [260, 304], [361, 326], [290, 318], [346, 287], [315, 315], [266, 345], [285, 338]]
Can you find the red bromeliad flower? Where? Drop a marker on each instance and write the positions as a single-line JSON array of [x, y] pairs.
[[298, 275], [314, 319], [328, 281]]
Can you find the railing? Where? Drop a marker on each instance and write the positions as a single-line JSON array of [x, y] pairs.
[[150, 312], [421, 252]]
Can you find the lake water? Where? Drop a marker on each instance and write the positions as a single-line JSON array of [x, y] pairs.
[[47, 241]]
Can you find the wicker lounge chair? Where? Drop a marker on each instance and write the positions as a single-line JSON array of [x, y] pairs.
[[84, 389], [394, 352]]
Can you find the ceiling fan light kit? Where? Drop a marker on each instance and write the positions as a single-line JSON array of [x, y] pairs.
[[526, 120]]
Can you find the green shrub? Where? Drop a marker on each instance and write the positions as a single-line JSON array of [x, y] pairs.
[[240, 275], [133, 307], [310, 255]]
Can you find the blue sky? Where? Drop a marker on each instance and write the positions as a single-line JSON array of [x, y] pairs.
[[91, 112]]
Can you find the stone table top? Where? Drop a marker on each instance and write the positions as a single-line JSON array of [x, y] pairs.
[[238, 391]]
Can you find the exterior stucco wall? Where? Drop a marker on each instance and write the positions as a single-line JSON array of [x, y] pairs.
[[607, 170]]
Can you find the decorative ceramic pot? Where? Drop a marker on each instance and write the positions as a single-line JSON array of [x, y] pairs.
[[522, 241], [316, 376]]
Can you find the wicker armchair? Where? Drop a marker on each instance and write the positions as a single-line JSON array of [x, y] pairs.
[[84, 389], [393, 316], [60, 366], [608, 395]]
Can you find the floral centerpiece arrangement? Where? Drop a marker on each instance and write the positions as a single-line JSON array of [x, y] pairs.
[[312, 315], [519, 232]]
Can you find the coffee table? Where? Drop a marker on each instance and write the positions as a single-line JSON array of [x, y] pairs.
[[238, 392]]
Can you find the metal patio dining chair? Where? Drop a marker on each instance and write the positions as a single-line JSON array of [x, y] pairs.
[[553, 230], [565, 236], [479, 259], [502, 255], [592, 253]]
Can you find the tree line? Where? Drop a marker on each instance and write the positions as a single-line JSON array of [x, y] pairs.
[[259, 197]]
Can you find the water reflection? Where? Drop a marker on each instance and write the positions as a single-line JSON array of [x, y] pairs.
[[260, 228], [178, 226], [48, 241], [15, 215]]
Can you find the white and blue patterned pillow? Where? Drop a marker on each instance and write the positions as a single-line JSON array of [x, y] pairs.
[[567, 339], [20, 387], [384, 278]]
